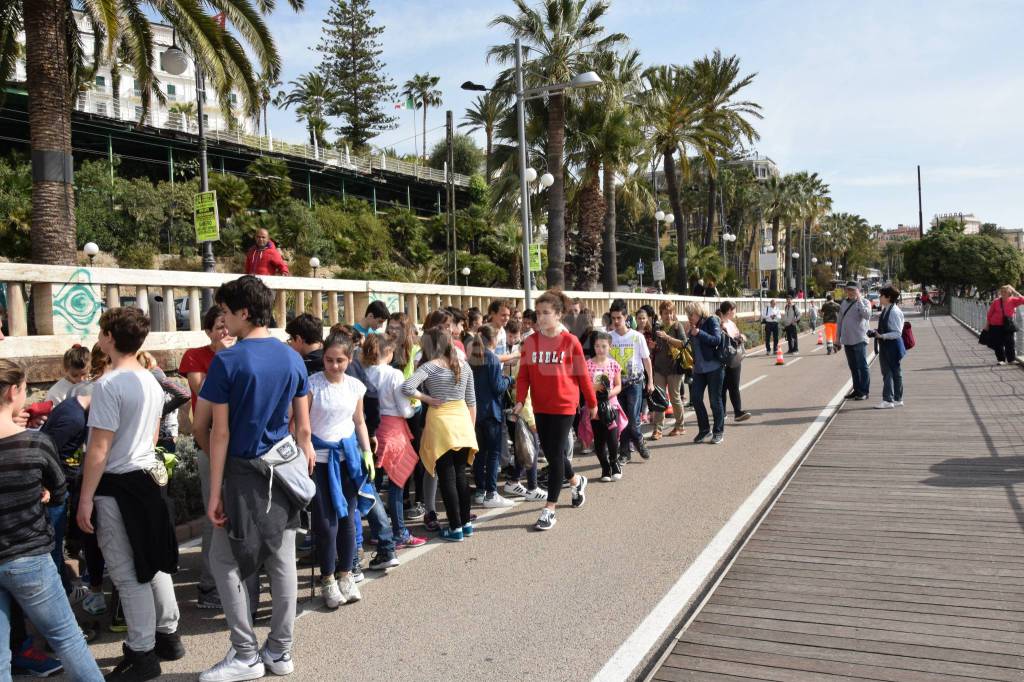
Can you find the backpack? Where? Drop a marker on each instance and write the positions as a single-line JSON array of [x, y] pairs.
[[908, 336]]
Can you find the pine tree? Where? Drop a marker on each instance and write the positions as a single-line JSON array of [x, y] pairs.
[[351, 63]]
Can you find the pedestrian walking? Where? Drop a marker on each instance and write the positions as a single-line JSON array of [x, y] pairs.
[[852, 326], [999, 322], [829, 318], [708, 374], [791, 323], [731, 381], [812, 315], [252, 388], [668, 375], [606, 376], [889, 342], [926, 304], [770, 318], [553, 372], [630, 350], [449, 441]]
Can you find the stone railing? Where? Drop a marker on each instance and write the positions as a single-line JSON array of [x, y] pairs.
[[972, 313], [61, 305]]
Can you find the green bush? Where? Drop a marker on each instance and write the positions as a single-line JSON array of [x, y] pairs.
[[139, 255], [183, 488]]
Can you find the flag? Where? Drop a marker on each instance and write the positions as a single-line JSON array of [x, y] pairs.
[[407, 104]]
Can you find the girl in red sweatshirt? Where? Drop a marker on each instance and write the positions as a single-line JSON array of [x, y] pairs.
[[553, 370]]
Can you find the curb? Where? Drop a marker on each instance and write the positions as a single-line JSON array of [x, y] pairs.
[[189, 531]]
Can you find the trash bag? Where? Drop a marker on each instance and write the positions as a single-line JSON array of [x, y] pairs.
[[526, 452]]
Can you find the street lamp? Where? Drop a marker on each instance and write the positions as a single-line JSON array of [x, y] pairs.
[[465, 273], [659, 216], [587, 79], [314, 263], [531, 175], [174, 61], [91, 249]]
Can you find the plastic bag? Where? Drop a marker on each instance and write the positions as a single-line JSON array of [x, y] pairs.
[[526, 453]]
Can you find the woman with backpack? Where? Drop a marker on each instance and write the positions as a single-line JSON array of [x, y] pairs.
[[1000, 325], [708, 373], [891, 349], [731, 383]]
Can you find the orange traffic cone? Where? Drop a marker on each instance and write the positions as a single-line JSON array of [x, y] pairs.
[[779, 360], [821, 341]]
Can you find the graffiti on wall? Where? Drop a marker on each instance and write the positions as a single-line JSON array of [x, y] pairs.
[[77, 305]]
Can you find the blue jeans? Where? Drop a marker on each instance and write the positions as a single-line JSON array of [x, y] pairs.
[[396, 508], [857, 359], [380, 527], [892, 373], [771, 336], [33, 582], [712, 381], [59, 520], [485, 466], [632, 400]]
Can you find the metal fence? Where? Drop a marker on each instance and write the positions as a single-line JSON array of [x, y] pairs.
[[971, 312]]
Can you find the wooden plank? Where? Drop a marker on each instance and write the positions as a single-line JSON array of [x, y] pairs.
[[756, 672]]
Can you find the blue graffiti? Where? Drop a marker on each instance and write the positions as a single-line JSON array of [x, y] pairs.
[[76, 304]]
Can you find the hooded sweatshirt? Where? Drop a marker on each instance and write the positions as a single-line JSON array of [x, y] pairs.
[[265, 261]]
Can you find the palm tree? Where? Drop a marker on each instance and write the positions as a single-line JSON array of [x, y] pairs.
[[675, 118], [484, 114], [813, 202], [563, 36], [780, 204], [183, 112], [267, 84], [53, 57], [422, 89], [310, 94]]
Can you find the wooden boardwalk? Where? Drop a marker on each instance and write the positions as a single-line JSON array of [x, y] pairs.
[[897, 551]]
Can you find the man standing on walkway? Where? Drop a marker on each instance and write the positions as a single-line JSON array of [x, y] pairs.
[[829, 317], [263, 257], [854, 315], [770, 317], [791, 323], [629, 349]]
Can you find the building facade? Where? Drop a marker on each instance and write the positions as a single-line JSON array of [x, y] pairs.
[[179, 112], [971, 223], [1015, 237], [900, 233]]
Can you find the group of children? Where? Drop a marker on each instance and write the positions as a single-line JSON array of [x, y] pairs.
[[308, 433]]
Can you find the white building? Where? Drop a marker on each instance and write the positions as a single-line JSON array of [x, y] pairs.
[[762, 167], [180, 91], [972, 224]]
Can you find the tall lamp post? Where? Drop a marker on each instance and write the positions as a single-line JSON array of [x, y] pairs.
[[174, 61], [586, 79]]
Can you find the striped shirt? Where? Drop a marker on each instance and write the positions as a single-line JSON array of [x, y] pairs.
[[440, 383], [28, 464]]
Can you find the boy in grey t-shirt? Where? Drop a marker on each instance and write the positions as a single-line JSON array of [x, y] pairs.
[[124, 418]]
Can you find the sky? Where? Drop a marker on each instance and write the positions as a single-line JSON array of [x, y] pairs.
[[859, 92]]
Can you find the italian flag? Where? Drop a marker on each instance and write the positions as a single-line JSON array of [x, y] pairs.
[[407, 104]]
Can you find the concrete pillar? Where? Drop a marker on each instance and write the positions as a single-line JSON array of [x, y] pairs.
[[17, 317], [195, 316], [332, 307]]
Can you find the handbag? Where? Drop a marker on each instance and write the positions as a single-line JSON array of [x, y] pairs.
[[657, 401], [288, 468], [985, 338], [683, 358], [741, 352], [1008, 324]]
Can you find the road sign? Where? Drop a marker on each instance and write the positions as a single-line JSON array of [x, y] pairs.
[[768, 261], [206, 218], [535, 259], [658, 269], [640, 267]]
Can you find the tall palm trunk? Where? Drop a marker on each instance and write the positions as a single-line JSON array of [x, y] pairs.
[[266, 123], [709, 226], [115, 87], [425, 129], [490, 154], [49, 119], [556, 194], [775, 241], [788, 265], [609, 269], [591, 227], [682, 236]]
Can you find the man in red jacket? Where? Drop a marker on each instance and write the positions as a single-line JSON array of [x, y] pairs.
[[264, 258]]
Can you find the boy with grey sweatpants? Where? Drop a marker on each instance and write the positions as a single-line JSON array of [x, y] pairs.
[[253, 389]]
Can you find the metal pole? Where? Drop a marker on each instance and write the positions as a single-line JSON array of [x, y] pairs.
[[920, 212], [309, 189], [657, 224], [450, 185], [204, 181], [524, 190]]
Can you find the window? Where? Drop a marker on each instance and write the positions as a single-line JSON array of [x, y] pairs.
[[172, 92], [101, 108], [136, 89], [138, 114], [233, 98], [101, 83], [206, 121]]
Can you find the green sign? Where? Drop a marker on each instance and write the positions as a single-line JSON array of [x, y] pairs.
[[535, 260], [207, 220]]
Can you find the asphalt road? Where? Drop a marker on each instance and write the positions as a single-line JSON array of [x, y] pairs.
[[511, 603]]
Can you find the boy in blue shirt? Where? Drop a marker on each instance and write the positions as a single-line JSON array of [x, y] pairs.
[[253, 388]]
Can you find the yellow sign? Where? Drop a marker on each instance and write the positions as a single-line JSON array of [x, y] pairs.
[[535, 260], [207, 220]]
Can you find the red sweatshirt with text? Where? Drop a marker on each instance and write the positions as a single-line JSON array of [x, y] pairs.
[[555, 368]]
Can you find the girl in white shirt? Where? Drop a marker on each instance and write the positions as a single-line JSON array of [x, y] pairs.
[[344, 464], [395, 453]]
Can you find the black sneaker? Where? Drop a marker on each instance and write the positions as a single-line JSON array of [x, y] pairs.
[[699, 438], [416, 512], [382, 562], [623, 460], [644, 452], [860, 397], [579, 496], [547, 519], [851, 395], [209, 599], [135, 666], [743, 416], [717, 438], [169, 647], [357, 573]]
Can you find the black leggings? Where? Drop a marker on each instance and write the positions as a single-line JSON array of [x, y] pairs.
[[553, 431], [335, 538], [1003, 343], [731, 387], [606, 447], [451, 479]]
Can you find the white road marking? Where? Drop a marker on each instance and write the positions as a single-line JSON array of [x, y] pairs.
[[752, 382], [650, 631], [817, 348], [795, 360]]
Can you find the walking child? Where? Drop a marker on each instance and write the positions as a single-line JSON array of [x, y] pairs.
[[606, 374]]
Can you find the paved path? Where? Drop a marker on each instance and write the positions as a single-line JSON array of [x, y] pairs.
[[897, 550], [514, 604]]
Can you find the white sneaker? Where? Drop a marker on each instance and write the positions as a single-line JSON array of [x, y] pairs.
[[79, 593], [606, 479], [496, 501], [279, 664], [536, 495], [233, 669], [349, 591], [898, 403], [517, 489], [478, 498], [95, 604], [617, 477], [1001, 362], [330, 593], [884, 405]]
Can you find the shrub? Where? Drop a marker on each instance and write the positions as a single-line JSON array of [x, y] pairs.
[[184, 489]]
